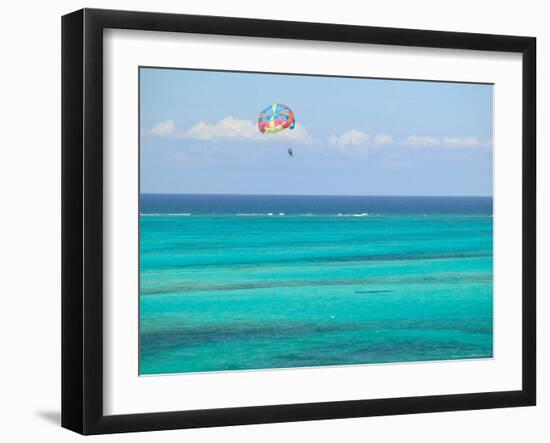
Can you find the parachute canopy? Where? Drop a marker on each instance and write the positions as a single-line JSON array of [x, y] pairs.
[[275, 118]]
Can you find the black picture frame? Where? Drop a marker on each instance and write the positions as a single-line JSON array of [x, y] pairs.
[[82, 220]]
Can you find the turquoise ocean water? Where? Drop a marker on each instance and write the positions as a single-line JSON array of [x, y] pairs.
[[257, 282]]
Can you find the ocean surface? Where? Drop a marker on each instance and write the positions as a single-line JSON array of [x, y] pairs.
[[231, 282]]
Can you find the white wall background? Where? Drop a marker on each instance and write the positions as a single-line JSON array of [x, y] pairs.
[[30, 219]]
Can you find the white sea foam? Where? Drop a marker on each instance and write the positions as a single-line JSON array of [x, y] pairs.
[[180, 214], [257, 214], [309, 214], [252, 214], [363, 214]]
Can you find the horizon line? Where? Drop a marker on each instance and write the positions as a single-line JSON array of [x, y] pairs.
[[314, 195]]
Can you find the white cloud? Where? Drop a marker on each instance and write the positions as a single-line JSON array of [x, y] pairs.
[[355, 137], [383, 139], [421, 140], [231, 127], [228, 127], [359, 142], [299, 134], [444, 141], [465, 141], [352, 137], [164, 128]]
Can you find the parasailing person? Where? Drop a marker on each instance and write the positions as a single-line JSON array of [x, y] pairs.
[[277, 118]]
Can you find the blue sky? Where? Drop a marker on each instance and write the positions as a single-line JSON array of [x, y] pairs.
[[353, 136]]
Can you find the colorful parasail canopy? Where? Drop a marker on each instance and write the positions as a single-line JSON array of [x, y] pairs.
[[275, 118]]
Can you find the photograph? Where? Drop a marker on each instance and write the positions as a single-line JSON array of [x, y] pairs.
[[298, 221]]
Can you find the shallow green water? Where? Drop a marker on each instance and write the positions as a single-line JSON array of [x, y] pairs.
[[228, 292]]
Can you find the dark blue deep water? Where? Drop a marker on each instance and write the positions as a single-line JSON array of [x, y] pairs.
[[315, 205]]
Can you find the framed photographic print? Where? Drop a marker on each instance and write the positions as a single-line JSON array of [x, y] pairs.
[[269, 221]]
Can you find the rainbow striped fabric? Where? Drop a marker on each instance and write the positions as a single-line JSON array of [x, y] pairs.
[[275, 118]]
